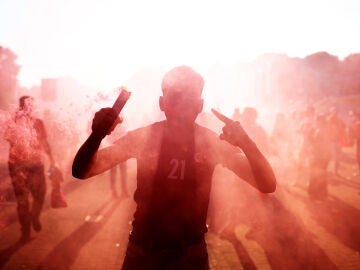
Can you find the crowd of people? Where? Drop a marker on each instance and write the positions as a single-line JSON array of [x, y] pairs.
[[176, 159], [307, 145], [307, 149]]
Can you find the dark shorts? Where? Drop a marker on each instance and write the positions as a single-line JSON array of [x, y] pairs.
[[193, 256]]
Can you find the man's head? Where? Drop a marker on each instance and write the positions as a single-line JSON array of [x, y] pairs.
[[181, 100], [249, 115], [26, 104]]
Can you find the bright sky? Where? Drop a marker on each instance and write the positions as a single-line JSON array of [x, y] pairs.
[[102, 42]]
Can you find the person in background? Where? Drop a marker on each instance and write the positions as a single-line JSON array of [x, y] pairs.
[[27, 137], [176, 159], [236, 116], [319, 158], [250, 124], [306, 130], [338, 138], [355, 127]]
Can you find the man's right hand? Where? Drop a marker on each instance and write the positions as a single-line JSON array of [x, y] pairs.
[[105, 121], [103, 124]]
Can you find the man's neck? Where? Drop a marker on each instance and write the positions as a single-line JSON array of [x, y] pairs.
[[179, 131]]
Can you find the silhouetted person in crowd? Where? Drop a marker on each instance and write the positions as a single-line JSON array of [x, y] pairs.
[[320, 155], [355, 128], [236, 116], [338, 138], [306, 131], [28, 140], [352, 118], [249, 122], [175, 162]]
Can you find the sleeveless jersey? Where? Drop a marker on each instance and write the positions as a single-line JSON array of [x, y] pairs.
[[173, 178]]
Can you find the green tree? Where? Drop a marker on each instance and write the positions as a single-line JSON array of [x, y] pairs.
[[8, 77]]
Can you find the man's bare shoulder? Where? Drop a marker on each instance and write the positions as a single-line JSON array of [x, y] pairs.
[[206, 132], [142, 134], [153, 127]]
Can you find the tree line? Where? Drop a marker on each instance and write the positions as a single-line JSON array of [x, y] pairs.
[[310, 79]]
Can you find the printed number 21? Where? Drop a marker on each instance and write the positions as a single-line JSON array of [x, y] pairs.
[[177, 169]]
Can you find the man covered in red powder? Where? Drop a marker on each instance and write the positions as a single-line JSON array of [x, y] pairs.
[[27, 138], [175, 162]]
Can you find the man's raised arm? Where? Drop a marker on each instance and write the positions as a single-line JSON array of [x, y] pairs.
[[256, 169], [104, 122]]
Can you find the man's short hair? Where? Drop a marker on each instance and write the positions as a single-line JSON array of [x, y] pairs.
[[182, 78], [22, 101]]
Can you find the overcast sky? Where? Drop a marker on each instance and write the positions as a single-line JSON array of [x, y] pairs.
[[103, 42]]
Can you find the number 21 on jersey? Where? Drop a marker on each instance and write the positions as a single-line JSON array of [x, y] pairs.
[[177, 169]]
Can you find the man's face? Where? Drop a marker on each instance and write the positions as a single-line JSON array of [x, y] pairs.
[[28, 106], [181, 107]]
